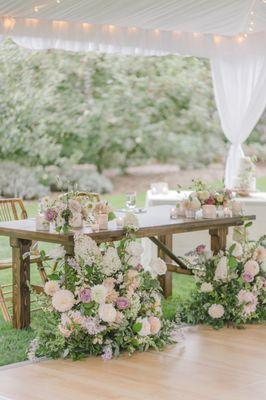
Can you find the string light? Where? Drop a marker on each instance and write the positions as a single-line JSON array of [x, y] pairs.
[[156, 31], [217, 39], [9, 23]]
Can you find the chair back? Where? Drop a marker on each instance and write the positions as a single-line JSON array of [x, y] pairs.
[[12, 209]]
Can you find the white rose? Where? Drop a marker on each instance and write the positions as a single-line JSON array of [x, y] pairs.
[[252, 267], [145, 326], [221, 271], [206, 287], [57, 252], [134, 249], [203, 195], [158, 266], [99, 293], [63, 300], [51, 287], [107, 313], [238, 250], [216, 311]]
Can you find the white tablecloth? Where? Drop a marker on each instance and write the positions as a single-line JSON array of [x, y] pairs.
[[182, 243]]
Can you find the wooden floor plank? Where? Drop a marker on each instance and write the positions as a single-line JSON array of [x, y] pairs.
[[212, 365]]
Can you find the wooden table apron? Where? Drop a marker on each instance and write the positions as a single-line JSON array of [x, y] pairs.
[[23, 232]]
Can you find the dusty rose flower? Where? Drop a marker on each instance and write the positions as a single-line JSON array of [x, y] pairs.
[[210, 201], [247, 277], [260, 254], [155, 325], [122, 303]]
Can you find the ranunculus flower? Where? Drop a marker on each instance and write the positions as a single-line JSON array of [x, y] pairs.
[[99, 293], [252, 267], [122, 303], [51, 287], [216, 311], [206, 287], [158, 266], [84, 295], [63, 300], [221, 271], [155, 325], [238, 250], [145, 326], [107, 313]]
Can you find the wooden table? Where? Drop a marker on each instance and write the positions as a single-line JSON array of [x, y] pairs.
[[155, 224]]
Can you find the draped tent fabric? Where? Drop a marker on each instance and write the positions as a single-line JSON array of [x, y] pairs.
[[231, 33], [240, 93]]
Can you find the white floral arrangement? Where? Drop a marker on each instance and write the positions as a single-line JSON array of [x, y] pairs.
[[230, 286], [102, 301]]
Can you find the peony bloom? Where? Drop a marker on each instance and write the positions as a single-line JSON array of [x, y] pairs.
[[238, 250], [111, 261], [260, 254], [158, 266], [145, 326], [107, 313], [84, 295], [155, 325], [221, 271], [122, 303], [216, 311], [74, 206], [57, 252], [51, 287], [251, 267], [99, 293], [203, 195], [206, 287], [134, 249], [63, 300]]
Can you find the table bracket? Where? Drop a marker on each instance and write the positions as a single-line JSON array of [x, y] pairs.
[[169, 253]]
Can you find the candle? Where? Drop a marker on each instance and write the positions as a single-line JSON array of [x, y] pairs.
[[237, 208], [103, 221], [173, 213], [119, 222]]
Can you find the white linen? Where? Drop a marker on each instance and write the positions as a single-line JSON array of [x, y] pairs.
[[240, 93]]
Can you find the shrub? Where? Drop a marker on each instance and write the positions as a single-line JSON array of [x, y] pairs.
[[19, 181]]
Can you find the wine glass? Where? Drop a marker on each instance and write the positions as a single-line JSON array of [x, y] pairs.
[[131, 200]]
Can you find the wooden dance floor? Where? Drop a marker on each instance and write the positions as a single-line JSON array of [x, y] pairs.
[[228, 364]]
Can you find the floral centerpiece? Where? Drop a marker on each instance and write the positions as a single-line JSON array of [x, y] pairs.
[[230, 286], [102, 301], [69, 210]]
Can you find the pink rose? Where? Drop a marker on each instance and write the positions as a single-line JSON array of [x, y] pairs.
[[252, 267], [155, 325], [247, 277]]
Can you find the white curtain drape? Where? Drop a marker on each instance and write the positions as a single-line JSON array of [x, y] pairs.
[[240, 93]]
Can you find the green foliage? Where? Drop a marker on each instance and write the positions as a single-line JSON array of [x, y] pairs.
[[108, 110]]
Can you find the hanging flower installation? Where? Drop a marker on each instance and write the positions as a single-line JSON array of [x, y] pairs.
[[101, 302]]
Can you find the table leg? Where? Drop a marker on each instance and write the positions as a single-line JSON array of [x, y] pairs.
[[21, 279], [166, 280], [218, 239]]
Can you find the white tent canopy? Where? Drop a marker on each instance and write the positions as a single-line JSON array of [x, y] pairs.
[[232, 33]]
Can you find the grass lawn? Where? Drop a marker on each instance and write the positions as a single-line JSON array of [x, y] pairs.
[[13, 344]]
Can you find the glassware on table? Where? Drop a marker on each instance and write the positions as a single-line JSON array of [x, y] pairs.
[[131, 200]]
